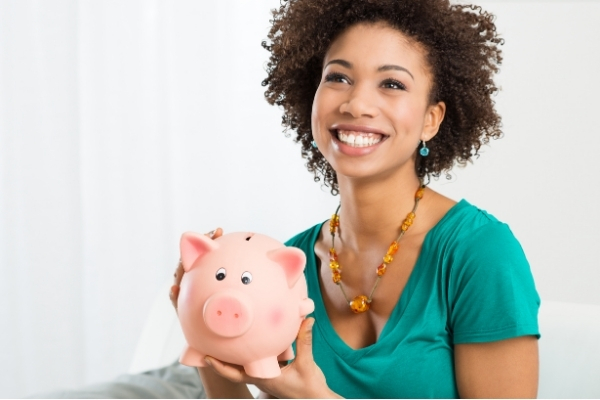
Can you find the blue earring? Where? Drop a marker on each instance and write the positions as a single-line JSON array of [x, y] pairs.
[[314, 144], [424, 151]]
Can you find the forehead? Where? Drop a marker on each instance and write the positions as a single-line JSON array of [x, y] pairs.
[[374, 44]]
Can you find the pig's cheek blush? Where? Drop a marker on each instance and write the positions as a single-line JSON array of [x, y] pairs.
[[276, 316]]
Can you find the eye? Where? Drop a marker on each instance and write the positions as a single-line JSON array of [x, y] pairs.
[[336, 77], [393, 84], [221, 274], [246, 278]]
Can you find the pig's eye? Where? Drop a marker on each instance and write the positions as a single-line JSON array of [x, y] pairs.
[[221, 274], [246, 278]]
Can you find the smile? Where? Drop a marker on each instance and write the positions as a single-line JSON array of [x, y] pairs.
[[358, 139]]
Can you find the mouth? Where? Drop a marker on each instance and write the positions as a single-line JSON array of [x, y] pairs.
[[358, 138]]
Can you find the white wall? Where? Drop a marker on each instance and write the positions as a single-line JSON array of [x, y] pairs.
[[125, 123]]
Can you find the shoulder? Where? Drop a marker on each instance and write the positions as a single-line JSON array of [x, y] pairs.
[[475, 247], [469, 229], [305, 239]]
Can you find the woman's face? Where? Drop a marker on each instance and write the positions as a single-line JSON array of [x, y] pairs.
[[372, 106]]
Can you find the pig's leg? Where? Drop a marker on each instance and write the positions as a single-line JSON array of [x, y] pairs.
[[306, 307], [192, 358], [265, 368], [288, 354]]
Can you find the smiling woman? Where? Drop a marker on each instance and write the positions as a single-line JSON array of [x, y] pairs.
[[382, 95]]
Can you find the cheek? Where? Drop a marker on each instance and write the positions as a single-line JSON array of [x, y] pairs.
[[275, 317], [324, 103], [410, 114]]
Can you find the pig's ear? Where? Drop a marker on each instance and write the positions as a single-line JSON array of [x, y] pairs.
[[193, 246], [292, 260]]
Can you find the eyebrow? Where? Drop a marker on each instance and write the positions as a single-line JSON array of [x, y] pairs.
[[387, 67]]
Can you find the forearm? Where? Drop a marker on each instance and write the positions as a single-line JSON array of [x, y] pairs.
[[217, 387]]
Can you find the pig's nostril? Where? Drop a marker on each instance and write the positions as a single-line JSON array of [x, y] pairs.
[[219, 312], [236, 315]]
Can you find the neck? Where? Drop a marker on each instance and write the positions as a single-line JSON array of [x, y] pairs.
[[372, 211]]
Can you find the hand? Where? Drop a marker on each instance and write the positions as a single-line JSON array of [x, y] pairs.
[[178, 275], [302, 378]]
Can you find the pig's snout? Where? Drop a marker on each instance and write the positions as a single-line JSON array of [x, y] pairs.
[[228, 314]]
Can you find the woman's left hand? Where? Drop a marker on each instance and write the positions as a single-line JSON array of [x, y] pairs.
[[302, 378]]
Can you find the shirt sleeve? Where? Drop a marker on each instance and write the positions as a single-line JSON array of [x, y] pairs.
[[491, 292]]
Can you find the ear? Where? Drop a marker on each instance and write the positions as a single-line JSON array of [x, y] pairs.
[[193, 246], [433, 119], [292, 260]]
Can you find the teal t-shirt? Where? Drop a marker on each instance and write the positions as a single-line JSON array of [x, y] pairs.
[[471, 283]]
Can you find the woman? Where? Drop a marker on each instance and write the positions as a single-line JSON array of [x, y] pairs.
[[383, 95]]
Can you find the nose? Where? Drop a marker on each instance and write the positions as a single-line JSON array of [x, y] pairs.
[[360, 103], [228, 314]]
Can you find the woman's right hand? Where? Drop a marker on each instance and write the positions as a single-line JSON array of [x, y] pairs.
[[178, 275]]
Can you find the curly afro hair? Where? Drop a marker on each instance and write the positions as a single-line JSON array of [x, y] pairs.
[[462, 50]]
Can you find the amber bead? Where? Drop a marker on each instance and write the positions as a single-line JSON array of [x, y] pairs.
[[332, 255], [334, 264], [360, 304], [393, 248], [408, 222], [404, 227], [387, 259], [337, 277], [419, 194], [381, 270]]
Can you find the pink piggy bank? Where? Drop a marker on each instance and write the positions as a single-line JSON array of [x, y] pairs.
[[242, 300]]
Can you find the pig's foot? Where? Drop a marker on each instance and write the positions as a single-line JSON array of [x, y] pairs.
[[288, 354], [265, 368], [192, 358], [306, 307]]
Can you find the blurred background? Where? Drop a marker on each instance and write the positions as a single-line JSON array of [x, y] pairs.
[[124, 123]]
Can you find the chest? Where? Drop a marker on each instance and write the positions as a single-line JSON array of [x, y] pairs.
[[359, 277]]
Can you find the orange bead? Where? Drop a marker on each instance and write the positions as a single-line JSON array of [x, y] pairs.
[[404, 227], [337, 277], [381, 270], [334, 264], [387, 259], [419, 194], [332, 255], [411, 215], [393, 248], [360, 304], [408, 222]]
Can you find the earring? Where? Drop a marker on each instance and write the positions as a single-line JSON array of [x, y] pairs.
[[314, 144], [424, 151]]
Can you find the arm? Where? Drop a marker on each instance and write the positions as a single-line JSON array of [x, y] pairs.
[[218, 387], [502, 369]]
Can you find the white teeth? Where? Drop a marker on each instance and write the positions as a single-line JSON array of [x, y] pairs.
[[358, 139]]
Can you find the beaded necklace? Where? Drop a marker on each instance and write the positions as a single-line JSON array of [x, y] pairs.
[[362, 303]]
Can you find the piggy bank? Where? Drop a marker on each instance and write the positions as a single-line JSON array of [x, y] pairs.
[[242, 299]]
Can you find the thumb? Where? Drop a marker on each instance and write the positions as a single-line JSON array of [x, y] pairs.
[[304, 341]]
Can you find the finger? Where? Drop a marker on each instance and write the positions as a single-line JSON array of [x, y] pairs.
[[216, 233], [178, 275], [304, 341], [174, 295], [234, 373]]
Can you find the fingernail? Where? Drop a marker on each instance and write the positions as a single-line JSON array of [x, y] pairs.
[[208, 361], [211, 233], [310, 324]]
